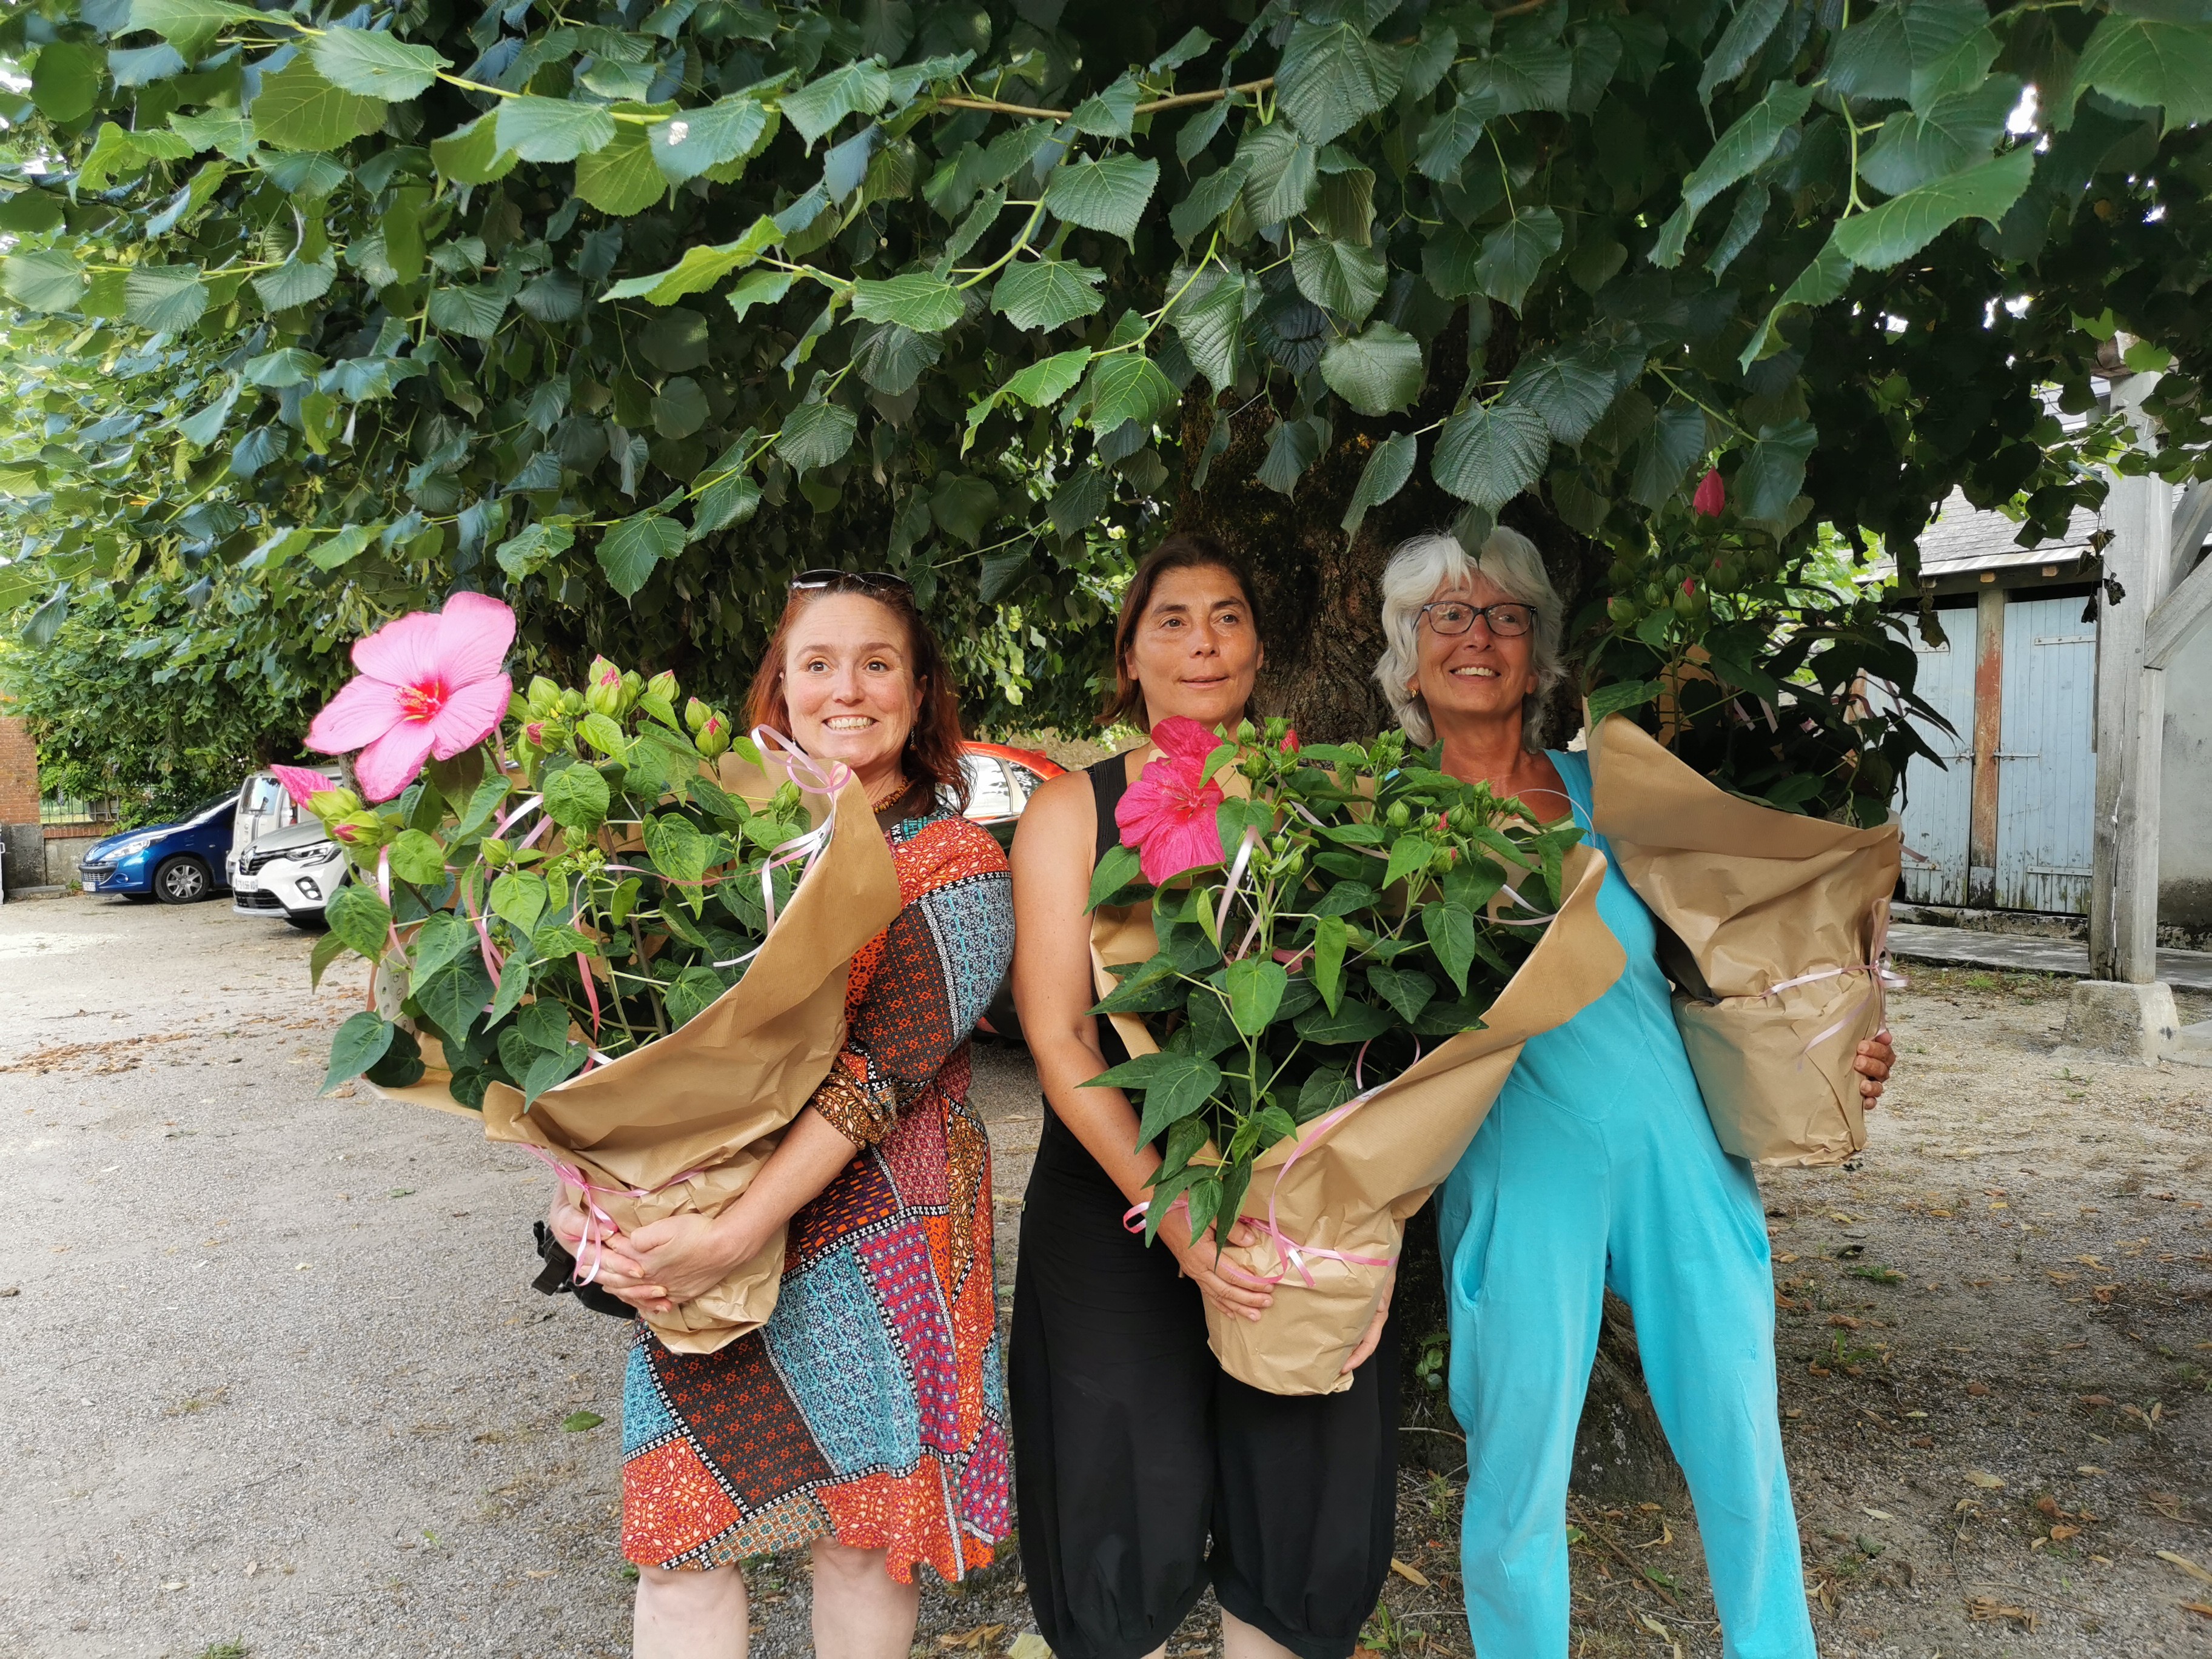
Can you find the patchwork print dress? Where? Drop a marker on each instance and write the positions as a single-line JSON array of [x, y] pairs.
[[870, 1408]]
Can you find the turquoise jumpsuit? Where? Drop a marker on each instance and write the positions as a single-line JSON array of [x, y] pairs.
[[1598, 1166]]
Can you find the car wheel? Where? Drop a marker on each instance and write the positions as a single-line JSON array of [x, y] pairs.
[[309, 921], [181, 880]]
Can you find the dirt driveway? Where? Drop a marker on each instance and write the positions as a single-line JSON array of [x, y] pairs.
[[282, 1389]]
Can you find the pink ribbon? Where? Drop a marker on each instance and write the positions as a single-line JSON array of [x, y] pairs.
[[1293, 1254], [595, 1219], [1237, 866], [1882, 978]]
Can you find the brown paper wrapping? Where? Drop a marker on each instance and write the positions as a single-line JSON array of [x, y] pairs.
[[1754, 897], [711, 1099], [1354, 1185]]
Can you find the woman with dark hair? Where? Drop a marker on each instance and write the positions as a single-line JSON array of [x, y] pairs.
[[865, 1418], [1143, 1471]]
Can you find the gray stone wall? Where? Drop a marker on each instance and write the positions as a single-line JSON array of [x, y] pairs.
[[26, 864]]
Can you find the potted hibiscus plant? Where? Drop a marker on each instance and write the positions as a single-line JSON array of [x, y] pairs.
[[627, 930], [1323, 960], [543, 882]]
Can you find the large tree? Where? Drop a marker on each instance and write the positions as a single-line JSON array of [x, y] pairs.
[[628, 311]]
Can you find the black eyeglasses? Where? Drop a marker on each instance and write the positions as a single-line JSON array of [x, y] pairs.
[[866, 581], [1508, 621]]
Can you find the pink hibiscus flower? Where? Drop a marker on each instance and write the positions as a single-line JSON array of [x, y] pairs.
[[431, 683], [1711, 496], [301, 783], [1168, 814]]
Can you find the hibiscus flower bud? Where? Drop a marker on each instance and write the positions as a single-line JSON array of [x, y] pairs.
[[662, 685], [603, 688], [1291, 739], [334, 803], [1245, 733], [713, 737], [1399, 815], [494, 852], [633, 688], [1277, 727], [696, 716], [785, 801], [545, 696], [534, 734], [572, 702], [1711, 496], [363, 831]]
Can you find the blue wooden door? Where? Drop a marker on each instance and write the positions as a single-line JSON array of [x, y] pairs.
[[1938, 800], [2047, 776]]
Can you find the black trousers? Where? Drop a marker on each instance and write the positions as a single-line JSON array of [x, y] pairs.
[[1141, 1471]]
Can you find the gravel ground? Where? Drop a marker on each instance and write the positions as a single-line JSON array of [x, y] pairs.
[[283, 1388]]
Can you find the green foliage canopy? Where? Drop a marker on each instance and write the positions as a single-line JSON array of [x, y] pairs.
[[629, 312]]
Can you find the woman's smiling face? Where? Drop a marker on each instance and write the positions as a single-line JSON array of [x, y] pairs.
[[1195, 651], [849, 681], [1479, 675]]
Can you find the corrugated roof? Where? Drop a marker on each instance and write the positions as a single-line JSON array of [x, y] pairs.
[[1965, 537]]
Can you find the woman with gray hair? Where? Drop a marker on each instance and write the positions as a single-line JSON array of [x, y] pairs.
[[1597, 1166]]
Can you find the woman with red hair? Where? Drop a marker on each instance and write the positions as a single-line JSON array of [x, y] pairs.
[[866, 1419]]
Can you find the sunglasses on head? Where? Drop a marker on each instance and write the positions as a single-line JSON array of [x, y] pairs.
[[867, 581]]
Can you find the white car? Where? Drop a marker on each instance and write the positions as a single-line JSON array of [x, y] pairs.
[[263, 807], [288, 872]]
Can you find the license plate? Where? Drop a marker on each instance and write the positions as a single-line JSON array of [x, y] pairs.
[[244, 884]]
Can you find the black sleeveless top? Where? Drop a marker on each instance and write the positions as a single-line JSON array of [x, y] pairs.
[[1061, 1157], [1109, 782]]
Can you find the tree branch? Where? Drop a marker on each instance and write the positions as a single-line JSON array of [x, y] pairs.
[[1183, 98], [1178, 101], [997, 108]]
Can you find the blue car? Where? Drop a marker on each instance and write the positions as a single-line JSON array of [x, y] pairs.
[[179, 863]]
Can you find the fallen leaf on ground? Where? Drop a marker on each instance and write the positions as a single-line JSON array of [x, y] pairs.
[[2186, 1565], [577, 1422], [1987, 1609], [1028, 1645], [2059, 1535], [972, 1639], [2096, 1399], [2168, 1503], [1411, 1575], [2199, 1609], [1984, 1479]]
